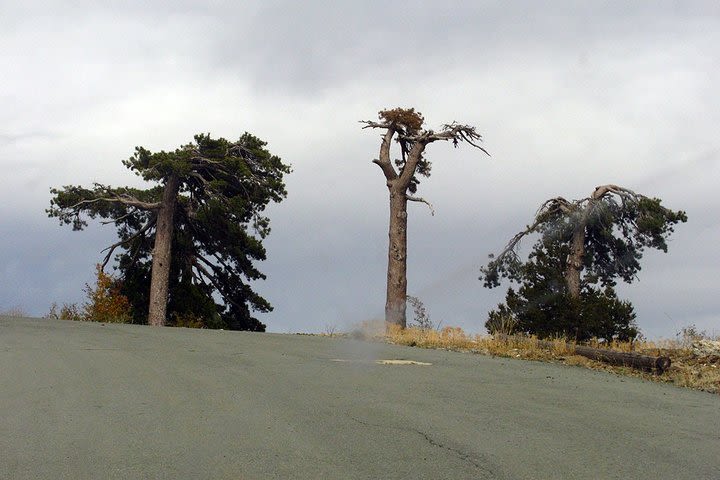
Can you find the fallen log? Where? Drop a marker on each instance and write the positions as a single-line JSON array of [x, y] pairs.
[[628, 359]]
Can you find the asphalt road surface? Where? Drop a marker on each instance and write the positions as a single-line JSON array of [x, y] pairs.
[[92, 401]]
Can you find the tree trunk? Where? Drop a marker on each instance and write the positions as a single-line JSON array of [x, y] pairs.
[[575, 259], [657, 364], [397, 260], [162, 253]]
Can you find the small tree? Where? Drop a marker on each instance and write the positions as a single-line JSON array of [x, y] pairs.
[[421, 319], [603, 235], [405, 127], [105, 302]]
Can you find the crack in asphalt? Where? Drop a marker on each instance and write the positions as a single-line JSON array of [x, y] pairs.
[[459, 453]]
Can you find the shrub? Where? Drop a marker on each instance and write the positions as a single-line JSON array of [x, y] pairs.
[[547, 313], [15, 311], [501, 321], [187, 321], [104, 302], [421, 319], [68, 311]]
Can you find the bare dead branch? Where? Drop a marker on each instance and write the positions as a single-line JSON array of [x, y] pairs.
[[130, 213], [510, 248], [626, 195], [207, 274], [112, 247], [453, 131], [211, 278], [199, 159], [421, 200], [221, 261], [413, 158], [548, 207], [374, 124], [620, 191], [207, 262], [552, 205], [384, 161], [124, 199]]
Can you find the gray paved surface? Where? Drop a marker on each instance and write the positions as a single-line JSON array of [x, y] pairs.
[[82, 400]]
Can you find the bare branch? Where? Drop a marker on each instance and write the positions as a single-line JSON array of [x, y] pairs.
[[510, 248], [221, 262], [201, 269], [201, 178], [198, 159], [112, 247], [384, 161], [207, 262], [211, 278], [625, 194], [207, 274], [413, 158], [417, 142], [421, 200], [453, 131], [198, 278], [130, 213], [620, 191], [124, 199], [557, 204], [553, 205], [565, 207], [373, 124]]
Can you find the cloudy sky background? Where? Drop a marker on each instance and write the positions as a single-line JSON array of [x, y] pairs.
[[567, 95]]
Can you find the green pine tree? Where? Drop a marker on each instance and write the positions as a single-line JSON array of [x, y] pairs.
[[189, 242], [584, 247]]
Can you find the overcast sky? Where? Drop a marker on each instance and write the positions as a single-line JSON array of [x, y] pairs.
[[567, 95]]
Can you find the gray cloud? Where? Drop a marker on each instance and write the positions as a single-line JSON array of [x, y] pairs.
[[306, 48]]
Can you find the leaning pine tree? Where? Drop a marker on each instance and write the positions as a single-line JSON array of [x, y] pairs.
[[584, 247], [405, 126], [191, 238]]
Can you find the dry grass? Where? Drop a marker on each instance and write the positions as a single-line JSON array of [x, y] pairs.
[[687, 370], [15, 311], [454, 338]]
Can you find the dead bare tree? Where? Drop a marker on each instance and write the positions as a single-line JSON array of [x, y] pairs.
[[405, 127]]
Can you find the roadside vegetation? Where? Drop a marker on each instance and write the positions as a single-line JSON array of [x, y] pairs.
[[14, 311], [104, 303], [695, 362]]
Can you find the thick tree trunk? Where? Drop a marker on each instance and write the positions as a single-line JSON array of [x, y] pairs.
[[575, 260], [162, 253], [396, 299]]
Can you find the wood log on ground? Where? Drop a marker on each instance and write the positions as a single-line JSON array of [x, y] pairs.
[[628, 359], [635, 360]]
